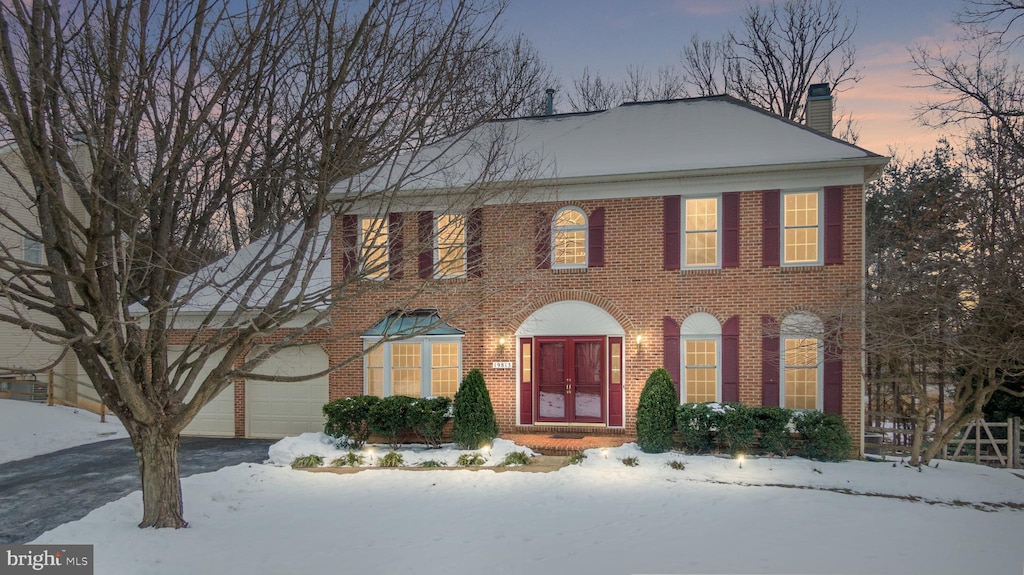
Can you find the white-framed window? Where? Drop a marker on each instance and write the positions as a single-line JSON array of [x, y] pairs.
[[417, 367], [801, 378], [31, 251], [373, 247], [450, 246], [569, 238], [702, 227], [701, 354], [802, 227]]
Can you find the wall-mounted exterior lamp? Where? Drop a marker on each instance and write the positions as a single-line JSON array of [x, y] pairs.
[[501, 345], [639, 343]]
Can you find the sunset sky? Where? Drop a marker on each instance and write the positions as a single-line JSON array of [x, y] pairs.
[[609, 35]]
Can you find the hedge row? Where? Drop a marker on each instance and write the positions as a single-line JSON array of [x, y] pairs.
[[353, 419], [734, 427]]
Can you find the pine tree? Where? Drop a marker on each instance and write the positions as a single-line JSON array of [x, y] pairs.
[[474, 424]]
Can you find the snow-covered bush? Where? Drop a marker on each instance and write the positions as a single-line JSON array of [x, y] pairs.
[[656, 413], [737, 428], [428, 417], [698, 423], [390, 417], [348, 418]]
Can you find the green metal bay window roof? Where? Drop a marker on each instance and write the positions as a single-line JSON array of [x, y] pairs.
[[411, 323]]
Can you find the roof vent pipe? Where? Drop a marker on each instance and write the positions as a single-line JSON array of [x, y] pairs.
[[549, 106], [818, 110]]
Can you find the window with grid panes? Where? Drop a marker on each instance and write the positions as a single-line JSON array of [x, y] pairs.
[[700, 228], [801, 227]]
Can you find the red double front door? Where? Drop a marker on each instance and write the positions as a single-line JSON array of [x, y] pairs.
[[570, 379]]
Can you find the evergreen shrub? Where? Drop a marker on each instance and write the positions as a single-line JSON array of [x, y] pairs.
[[348, 418], [825, 436], [698, 422], [427, 418], [474, 424], [772, 423], [390, 417], [656, 413], [738, 428]]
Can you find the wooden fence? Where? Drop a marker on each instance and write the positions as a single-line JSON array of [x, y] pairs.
[[983, 442], [32, 389]]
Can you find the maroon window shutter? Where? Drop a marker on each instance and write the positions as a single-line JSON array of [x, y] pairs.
[[526, 372], [769, 361], [673, 233], [475, 243], [395, 245], [543, 248], [731, 230], [595, 239], [833, 373], [615, 388], [425, 238], [771, 227], [670, 331], [350, 241], [731, 359], [834, 225]]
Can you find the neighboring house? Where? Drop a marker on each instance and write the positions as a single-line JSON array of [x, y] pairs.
[[702, 235], [25, 355]]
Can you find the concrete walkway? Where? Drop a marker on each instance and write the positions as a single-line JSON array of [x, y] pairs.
[[45, 491]]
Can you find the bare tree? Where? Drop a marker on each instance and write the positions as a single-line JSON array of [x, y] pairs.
[[157, 137], [593, 93], [981, 90], [1000, 19], [781, 50]]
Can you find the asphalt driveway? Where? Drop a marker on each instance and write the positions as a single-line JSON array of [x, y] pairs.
[[42, 492]]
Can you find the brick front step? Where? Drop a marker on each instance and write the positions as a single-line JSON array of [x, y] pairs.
[[565, 443]]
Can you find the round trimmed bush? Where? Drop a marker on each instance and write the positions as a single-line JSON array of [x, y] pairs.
[[738, 428], [390, 417], [348, 418], [473, 423], [656, 413], [825, 436], [428, 416], [773, 426], [698, 422]]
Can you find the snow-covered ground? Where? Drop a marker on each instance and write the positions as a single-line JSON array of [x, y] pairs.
[[29, 429], [770, 516]]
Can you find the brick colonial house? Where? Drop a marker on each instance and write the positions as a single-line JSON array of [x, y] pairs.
[[701, 235]]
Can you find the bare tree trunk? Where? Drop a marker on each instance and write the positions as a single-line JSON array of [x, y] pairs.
[[157, 451]]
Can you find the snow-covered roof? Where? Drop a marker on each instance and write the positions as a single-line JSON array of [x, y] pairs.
[[711, 133], [224, 284]]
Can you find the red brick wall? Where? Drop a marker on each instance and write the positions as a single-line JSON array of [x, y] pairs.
[[632, 286]]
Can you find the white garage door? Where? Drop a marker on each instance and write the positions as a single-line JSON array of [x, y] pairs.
[[278, 409], [217, 418]]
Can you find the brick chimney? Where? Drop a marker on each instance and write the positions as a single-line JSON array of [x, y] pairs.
[[819, 108]]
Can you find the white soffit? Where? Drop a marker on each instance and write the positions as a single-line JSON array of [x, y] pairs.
[[570, 317]]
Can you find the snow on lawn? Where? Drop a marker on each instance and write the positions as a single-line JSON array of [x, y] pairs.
[[28, 429], [597, 517]]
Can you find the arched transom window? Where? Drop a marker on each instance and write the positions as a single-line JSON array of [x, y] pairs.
[[569, 239]]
